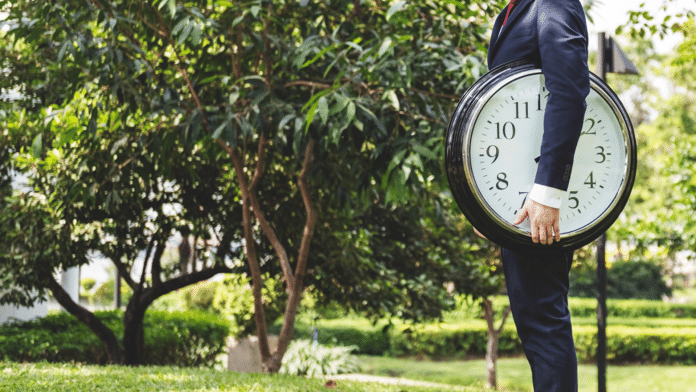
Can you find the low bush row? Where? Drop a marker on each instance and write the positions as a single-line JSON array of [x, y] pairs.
[[369, 339], [179, 338], [632, 308], [469, 338], [587, 307]]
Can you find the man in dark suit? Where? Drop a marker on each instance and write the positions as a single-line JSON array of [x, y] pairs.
[[552, 34]]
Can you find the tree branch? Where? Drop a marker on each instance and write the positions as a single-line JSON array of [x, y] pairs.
[[506, 312], [488, 313], [296, 290], [156, 262], [310, 210], [236, 55], [308, 83], [266, 227], [114, 352], [121, 268], [269, 232], [138, 291], [181, 281], [250, 250]]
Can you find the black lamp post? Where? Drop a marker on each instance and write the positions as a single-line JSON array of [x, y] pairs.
[[610, 58]]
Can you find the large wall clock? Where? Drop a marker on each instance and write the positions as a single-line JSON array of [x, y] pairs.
[[492, 149]]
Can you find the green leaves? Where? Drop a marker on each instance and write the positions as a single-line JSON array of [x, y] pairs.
[[171, 6], [394, 8], [37, 146], [188, 28]]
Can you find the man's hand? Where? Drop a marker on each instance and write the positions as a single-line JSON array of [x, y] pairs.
[[544, 221], [478, 233]]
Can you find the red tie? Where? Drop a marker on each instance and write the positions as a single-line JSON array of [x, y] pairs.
[[510, 6]]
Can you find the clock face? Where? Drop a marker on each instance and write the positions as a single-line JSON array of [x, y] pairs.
[[493, 144], [504, 147]]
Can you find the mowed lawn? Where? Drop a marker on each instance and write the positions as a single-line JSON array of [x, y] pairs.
[[514, 374], [468, 376]]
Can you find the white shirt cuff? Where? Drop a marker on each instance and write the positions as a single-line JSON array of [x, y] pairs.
[[547, 196]]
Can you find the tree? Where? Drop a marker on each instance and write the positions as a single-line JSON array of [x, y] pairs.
[[261, 121], [82, 201], [679, 120], [654, 221]]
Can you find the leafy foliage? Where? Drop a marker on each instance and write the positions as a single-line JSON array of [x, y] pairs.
[[139, 121], [233, 299], [656, 223], [643, 23]]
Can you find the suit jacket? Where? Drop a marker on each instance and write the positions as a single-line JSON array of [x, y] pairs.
[[552, 34]]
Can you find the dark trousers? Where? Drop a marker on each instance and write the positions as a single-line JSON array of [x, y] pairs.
[[538, 289]]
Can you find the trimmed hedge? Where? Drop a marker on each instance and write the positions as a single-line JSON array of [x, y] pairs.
[[451, 340], [644, 345], [665, 345], [587, 307], [369, 339], [632, 308], [180, 339]]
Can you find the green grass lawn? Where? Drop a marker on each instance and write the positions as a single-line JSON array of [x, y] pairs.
[[467, 376], [514, 374], [45, 377]]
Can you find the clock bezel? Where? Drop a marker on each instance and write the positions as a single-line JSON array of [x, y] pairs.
[[470, 199]]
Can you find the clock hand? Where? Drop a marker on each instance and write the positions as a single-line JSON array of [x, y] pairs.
[[537, 159]]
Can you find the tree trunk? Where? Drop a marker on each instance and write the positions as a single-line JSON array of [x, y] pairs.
[[493, 339], [114, 354], [294, 281], [491, 360], [133, 332]]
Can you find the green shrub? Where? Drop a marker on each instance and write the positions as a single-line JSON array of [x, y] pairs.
[[200, 296], [624, 344], [633, 308], [184, 338], [55, 338], [181, 339], [367, 338], [104, 294], [636, 344], [587, 307], [305, 358], [635, 279], [234, 299], [451, 340]]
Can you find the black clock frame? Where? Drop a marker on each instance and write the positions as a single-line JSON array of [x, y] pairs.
[[502, 233]]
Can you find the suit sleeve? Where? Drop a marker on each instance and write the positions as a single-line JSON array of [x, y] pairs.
[[563, 49]]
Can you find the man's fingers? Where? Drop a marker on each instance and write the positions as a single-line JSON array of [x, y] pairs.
[[545, 227], [478, 233], [542, 235], [535, 234], [521, 216]]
